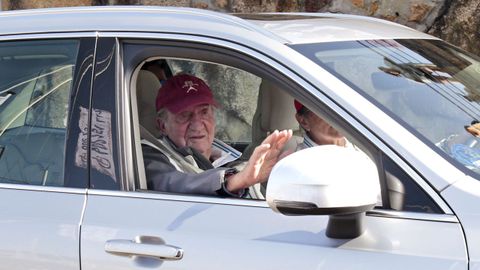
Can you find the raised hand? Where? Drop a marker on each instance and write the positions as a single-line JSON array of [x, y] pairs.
[[260, 164]]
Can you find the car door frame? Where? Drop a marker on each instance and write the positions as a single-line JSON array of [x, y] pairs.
[[315, 96], [52, 218]]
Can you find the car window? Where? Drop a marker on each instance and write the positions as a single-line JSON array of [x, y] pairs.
[[428, 86], [403, 193], [269, 106], [34, 98], [244, 115], [402, 77]]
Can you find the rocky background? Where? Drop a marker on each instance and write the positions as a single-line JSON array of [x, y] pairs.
[[457, 21]]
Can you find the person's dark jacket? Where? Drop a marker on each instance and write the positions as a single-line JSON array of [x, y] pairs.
[[162, 175]]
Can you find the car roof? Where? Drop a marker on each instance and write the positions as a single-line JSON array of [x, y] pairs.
[[328, 27], [292, 28]]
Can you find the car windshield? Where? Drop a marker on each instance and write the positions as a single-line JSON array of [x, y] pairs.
[[430, 86]]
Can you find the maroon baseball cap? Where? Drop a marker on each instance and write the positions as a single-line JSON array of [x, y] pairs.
[[183, 91], [298, 105]]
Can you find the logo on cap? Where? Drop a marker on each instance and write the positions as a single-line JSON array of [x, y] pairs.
[[191, 86]]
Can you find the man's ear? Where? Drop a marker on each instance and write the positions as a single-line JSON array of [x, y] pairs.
[[161, 125], [302, 120]]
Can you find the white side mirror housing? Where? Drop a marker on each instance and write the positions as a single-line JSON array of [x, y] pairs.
[[325, 180]]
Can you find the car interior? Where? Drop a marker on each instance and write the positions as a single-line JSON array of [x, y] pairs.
[[271, 109]]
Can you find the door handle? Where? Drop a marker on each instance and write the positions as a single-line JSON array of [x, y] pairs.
[[135, 248]]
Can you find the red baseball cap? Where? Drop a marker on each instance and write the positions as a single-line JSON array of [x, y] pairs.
[[183, 91], [298, 105]]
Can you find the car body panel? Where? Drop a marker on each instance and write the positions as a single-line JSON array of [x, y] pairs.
[[192, 21], [219, 232], [140, 18], [326, 27], [463, 198], [40, 229]]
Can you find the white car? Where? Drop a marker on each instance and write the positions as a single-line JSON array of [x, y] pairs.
[[74, 94]]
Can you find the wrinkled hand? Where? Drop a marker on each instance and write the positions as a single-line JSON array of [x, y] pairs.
[[260, 164]]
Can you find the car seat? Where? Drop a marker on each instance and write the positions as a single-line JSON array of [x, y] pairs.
[[32, 147], [33, 156], [275, 111], [147, 89]]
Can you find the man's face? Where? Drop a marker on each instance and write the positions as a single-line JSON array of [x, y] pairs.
[[193, 127], [318, 129]]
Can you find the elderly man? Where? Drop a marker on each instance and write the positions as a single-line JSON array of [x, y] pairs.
[[182, 159]]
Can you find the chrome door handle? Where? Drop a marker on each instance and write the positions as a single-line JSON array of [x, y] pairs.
[[134, 248]]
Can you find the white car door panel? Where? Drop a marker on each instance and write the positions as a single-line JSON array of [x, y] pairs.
[[224, 236], [462, 197], [39, 229]]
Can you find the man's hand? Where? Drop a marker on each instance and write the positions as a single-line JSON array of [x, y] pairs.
[[474, 129], [260, 164]]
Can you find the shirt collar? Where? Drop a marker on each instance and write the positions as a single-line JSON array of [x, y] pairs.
[[308, 141]]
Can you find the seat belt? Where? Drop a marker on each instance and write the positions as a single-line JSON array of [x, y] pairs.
[[168, 151]]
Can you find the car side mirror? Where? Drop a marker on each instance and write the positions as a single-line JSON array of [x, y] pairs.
[[326, 180]]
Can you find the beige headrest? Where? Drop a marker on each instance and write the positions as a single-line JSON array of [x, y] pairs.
[[277, 109], [147, 89]]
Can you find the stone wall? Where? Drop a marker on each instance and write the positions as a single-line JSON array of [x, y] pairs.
[[460, 24]]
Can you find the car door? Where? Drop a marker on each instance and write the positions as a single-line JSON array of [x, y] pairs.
[[128, 227], [44, 88]]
